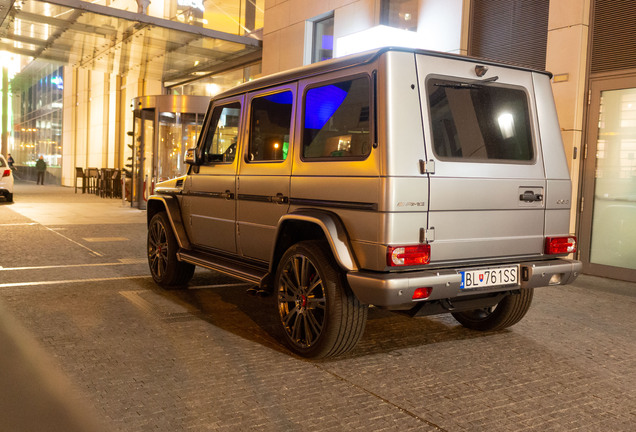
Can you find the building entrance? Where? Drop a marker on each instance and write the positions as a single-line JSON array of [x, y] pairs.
[[608, 207], [164, 127]]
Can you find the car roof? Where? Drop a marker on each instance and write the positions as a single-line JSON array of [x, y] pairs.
[[335, 64]]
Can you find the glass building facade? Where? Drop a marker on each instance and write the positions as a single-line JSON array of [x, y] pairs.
[[37, 124], [166, 47]]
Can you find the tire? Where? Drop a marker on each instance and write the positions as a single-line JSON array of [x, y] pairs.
[[9, 197], [166, 270], [319, 314], [506, 313]]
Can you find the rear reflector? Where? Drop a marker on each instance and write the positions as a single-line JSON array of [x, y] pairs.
[[408, 255], [422, 293], [560, 245]]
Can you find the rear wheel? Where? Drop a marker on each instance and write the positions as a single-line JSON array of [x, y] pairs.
[[319, 315], [166, 270], [506, 313], [9, 197]]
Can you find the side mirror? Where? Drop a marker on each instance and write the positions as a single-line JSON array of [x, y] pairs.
[[191, 156]]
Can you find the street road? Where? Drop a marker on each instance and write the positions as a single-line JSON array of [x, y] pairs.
[[74, 279]]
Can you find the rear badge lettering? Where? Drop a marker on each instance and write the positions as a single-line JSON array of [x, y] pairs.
[[411, 204]]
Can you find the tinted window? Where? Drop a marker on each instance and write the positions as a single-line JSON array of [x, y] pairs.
[[479, 122], [221, 145], [336, 120], [270, 126]]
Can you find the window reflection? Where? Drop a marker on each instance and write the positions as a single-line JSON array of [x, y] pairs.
[[401, 14]]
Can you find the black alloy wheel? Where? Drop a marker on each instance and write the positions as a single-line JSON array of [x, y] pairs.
[[319, 314], [167, 271], [509, 311]]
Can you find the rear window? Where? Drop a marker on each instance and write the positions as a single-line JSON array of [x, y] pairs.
[[479, 122]]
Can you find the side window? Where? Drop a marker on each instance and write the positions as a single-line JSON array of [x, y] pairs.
[[270, 127], [220, 146], [336, 120]]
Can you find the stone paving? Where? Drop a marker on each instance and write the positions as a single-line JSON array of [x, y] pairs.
[[208, 358]]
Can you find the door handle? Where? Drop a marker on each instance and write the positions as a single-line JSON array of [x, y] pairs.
[[280, 199], [529, 196], [228, 195]]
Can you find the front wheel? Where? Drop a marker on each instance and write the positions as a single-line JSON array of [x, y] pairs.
[[506, 313], [167, 271], [319, 314]]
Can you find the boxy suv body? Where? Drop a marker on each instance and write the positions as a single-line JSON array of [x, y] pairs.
[[409, 180]]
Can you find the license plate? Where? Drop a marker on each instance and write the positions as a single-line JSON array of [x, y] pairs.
[[490, 277]]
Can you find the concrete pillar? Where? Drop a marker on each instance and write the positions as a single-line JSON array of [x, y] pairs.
[[566, 58], [4, 147]]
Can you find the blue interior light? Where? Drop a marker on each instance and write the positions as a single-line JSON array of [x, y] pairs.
[[320, 105]]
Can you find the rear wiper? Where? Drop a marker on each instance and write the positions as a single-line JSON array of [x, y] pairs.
[[468, 85], [458, 86]]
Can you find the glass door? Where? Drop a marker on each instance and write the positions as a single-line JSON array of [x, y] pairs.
[[608, 205], [143, 156]]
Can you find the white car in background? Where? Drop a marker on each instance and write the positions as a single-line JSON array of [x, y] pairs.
[[6, 180]]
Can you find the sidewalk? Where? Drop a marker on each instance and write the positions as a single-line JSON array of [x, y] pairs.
[[60, 205]]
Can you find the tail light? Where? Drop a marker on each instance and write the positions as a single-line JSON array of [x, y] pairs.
[[397, 256], [6, 173], [560, 245]]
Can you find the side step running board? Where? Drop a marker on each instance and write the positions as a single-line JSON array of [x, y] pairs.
[[225, 265]]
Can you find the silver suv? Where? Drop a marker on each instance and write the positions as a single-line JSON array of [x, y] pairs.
[[409, 180]]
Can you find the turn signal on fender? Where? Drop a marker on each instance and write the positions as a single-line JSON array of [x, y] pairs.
[[408, 255]]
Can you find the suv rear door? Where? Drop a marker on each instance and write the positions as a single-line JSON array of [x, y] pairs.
[[488, 184], [264, 170]]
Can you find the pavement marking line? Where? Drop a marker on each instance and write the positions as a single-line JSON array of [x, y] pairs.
[[121, 262], [61, 235], [105, 239], [73, 241], [133, 260], [25, 284], [230, 285]]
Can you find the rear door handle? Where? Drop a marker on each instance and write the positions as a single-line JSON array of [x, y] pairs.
[[280, 199], [529, 196], [228, 195]]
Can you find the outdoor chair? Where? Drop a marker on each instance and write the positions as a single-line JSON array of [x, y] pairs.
[[93, 180], [79, 174], [116, 183]]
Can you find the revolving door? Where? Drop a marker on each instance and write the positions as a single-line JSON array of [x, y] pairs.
[[163, 128]]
